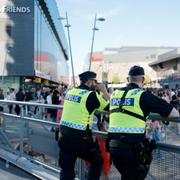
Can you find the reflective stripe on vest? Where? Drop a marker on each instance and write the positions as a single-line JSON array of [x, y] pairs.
[[122, 122], [75, 114], [126, 130], [72, 125]]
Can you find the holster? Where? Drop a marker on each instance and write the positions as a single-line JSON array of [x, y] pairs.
[[143, 153], [87, 139]]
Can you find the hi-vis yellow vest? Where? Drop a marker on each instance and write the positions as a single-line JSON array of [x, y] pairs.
[[130, 118], [75, 114]]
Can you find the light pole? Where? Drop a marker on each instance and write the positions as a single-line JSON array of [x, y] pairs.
[[70, 50], [93, 36]]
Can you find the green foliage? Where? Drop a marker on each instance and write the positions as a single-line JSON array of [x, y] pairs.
[[116, 80], [147, 79]]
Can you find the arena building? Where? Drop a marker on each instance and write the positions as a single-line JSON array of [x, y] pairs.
[[113, 64], [167, 68]]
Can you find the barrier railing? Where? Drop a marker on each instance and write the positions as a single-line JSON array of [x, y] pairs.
[[32, 138]]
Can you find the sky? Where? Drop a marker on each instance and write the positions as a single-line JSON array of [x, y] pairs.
[[128, 23]]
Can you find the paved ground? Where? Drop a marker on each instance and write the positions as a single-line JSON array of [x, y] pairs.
[[164, 166], [12, 172]]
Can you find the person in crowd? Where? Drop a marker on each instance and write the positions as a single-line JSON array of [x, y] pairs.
[[178, 96], [130, 151], [157, 131], [33, 94], [38, 92], [77, 118], [1, 98], [60, 111], [28, 95], [45, 92], [174, 100], [55, 101], [49, 101], [20, 96], [11, 97], [166, 96], [1, 106]]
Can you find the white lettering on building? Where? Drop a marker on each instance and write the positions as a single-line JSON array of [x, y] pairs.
[[15, 9]]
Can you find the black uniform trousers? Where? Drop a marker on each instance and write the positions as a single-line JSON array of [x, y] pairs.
[[84, 148], [125, 160]]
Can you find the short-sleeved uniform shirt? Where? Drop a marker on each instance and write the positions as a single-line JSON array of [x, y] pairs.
[[151, 103]]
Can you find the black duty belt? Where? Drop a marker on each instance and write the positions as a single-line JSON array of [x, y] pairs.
[[70, 132], [115, 143]]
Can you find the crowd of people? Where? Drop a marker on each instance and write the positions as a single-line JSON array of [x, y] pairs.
[[172, 96], [48, 95], [45, 95]]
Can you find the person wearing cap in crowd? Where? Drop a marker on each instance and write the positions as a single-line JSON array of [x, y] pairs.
[[130, 151], [75, 126]]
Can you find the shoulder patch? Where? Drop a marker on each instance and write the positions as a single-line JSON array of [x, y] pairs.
[[113, 93], [136, 92], [83, 92]]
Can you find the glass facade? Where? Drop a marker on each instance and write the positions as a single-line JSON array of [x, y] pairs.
[[59, 27], [49, 59]]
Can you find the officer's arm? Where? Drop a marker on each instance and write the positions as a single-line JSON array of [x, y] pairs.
[[96, 101], [92, 102], [101, 87], [151, 103], [174, 113]]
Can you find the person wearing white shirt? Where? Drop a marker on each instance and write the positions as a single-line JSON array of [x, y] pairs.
[[11, 97], [49, 101]]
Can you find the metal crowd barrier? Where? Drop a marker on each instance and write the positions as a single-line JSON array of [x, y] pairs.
[[30, 144]]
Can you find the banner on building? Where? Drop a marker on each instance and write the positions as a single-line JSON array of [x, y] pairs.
[[96, 59]]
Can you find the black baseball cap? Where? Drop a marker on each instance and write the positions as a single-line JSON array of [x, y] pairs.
[[136, 71], [85, 76]]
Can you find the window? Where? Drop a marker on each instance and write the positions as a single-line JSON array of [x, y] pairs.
[[175, 67]]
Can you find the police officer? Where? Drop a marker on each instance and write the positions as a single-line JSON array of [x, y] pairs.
[[77, 118], [131, 152]]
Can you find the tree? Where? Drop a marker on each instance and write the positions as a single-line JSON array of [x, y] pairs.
[[147, 79], [116, 80]]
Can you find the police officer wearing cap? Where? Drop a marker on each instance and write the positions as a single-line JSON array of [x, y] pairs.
[[131, 152], [77, 118]]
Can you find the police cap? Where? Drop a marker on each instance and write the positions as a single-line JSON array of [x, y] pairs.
[[85, 76], [136, 71]]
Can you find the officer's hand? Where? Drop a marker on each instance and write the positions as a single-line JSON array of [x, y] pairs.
[[101, 87]]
